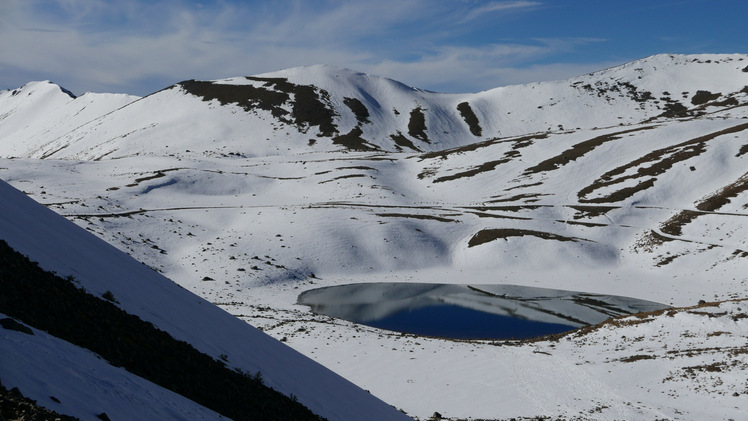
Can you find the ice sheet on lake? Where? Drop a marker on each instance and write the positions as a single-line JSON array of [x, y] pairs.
[[373, 301]]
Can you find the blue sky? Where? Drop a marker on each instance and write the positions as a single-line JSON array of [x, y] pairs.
[[138, 46]]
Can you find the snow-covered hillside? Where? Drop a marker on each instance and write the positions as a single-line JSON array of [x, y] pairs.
[[42, 366], [322, 108], [248, 191]]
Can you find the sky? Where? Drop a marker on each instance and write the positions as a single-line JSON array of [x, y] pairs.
[[141, 46]]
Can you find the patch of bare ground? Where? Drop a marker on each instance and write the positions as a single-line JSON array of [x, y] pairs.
[[674, 225], [579, 150], [666, 260], [484, 167], [353, 141], [417, 125], [357, 167], [702, 97], [651, 165], [15, 406], [525, 196], [518, 142], [493, 215], [158, 174], [637, 357], [308, 107], [507, 208], [649, 240], [674, 109], [743, 150], [739, 253], [583, 224], [588, 211], [619, 195], [470, 118], [141, 211], [403, 142], [722, 197], [358, 109], [342, 177], [637, 319], [522, 186], [417, 216], [427, 172], [492, 234], [716, 367]]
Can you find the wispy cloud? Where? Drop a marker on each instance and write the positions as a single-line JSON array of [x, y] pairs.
[[471, 69], [141, 46], [499, 6]]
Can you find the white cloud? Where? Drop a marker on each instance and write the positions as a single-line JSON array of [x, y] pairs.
[[501, 6], [139, 47], [470, 69]]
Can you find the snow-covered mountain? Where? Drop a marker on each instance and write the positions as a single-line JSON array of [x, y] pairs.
[[248, 191], [322, 108]]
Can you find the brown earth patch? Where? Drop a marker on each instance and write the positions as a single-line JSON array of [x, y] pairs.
[[403, 142], [659, 161], [158, 174], [493, 215], [358, 109], [485, 167], [743, 151], [357, 167], [674, 225], [702, 97], [583, 224], [488, 235], [308, 108], [667, 260], [579, 150], [519, 197], [417, 125], [470, 118], [416, 216], [635, 358], [722, 197], [507, 208], [444, 154], [15, 406], [343, 177], [585, 211], [353, 140]]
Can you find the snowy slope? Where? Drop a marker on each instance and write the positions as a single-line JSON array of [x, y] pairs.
[[640, 192], [322, 108], [39, 112], [40, 234], [44, 367]]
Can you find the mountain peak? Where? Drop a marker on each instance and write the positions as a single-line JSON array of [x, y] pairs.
[[40, 87]]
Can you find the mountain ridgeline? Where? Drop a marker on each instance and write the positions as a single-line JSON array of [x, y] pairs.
[[321, 108]]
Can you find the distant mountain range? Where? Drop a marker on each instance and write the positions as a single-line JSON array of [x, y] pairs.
[[247, 191]]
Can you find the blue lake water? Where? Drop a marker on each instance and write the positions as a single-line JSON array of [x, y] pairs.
[[451, 321], [469, 311]]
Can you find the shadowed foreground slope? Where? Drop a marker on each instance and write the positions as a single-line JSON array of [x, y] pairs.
[[48, 302]]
